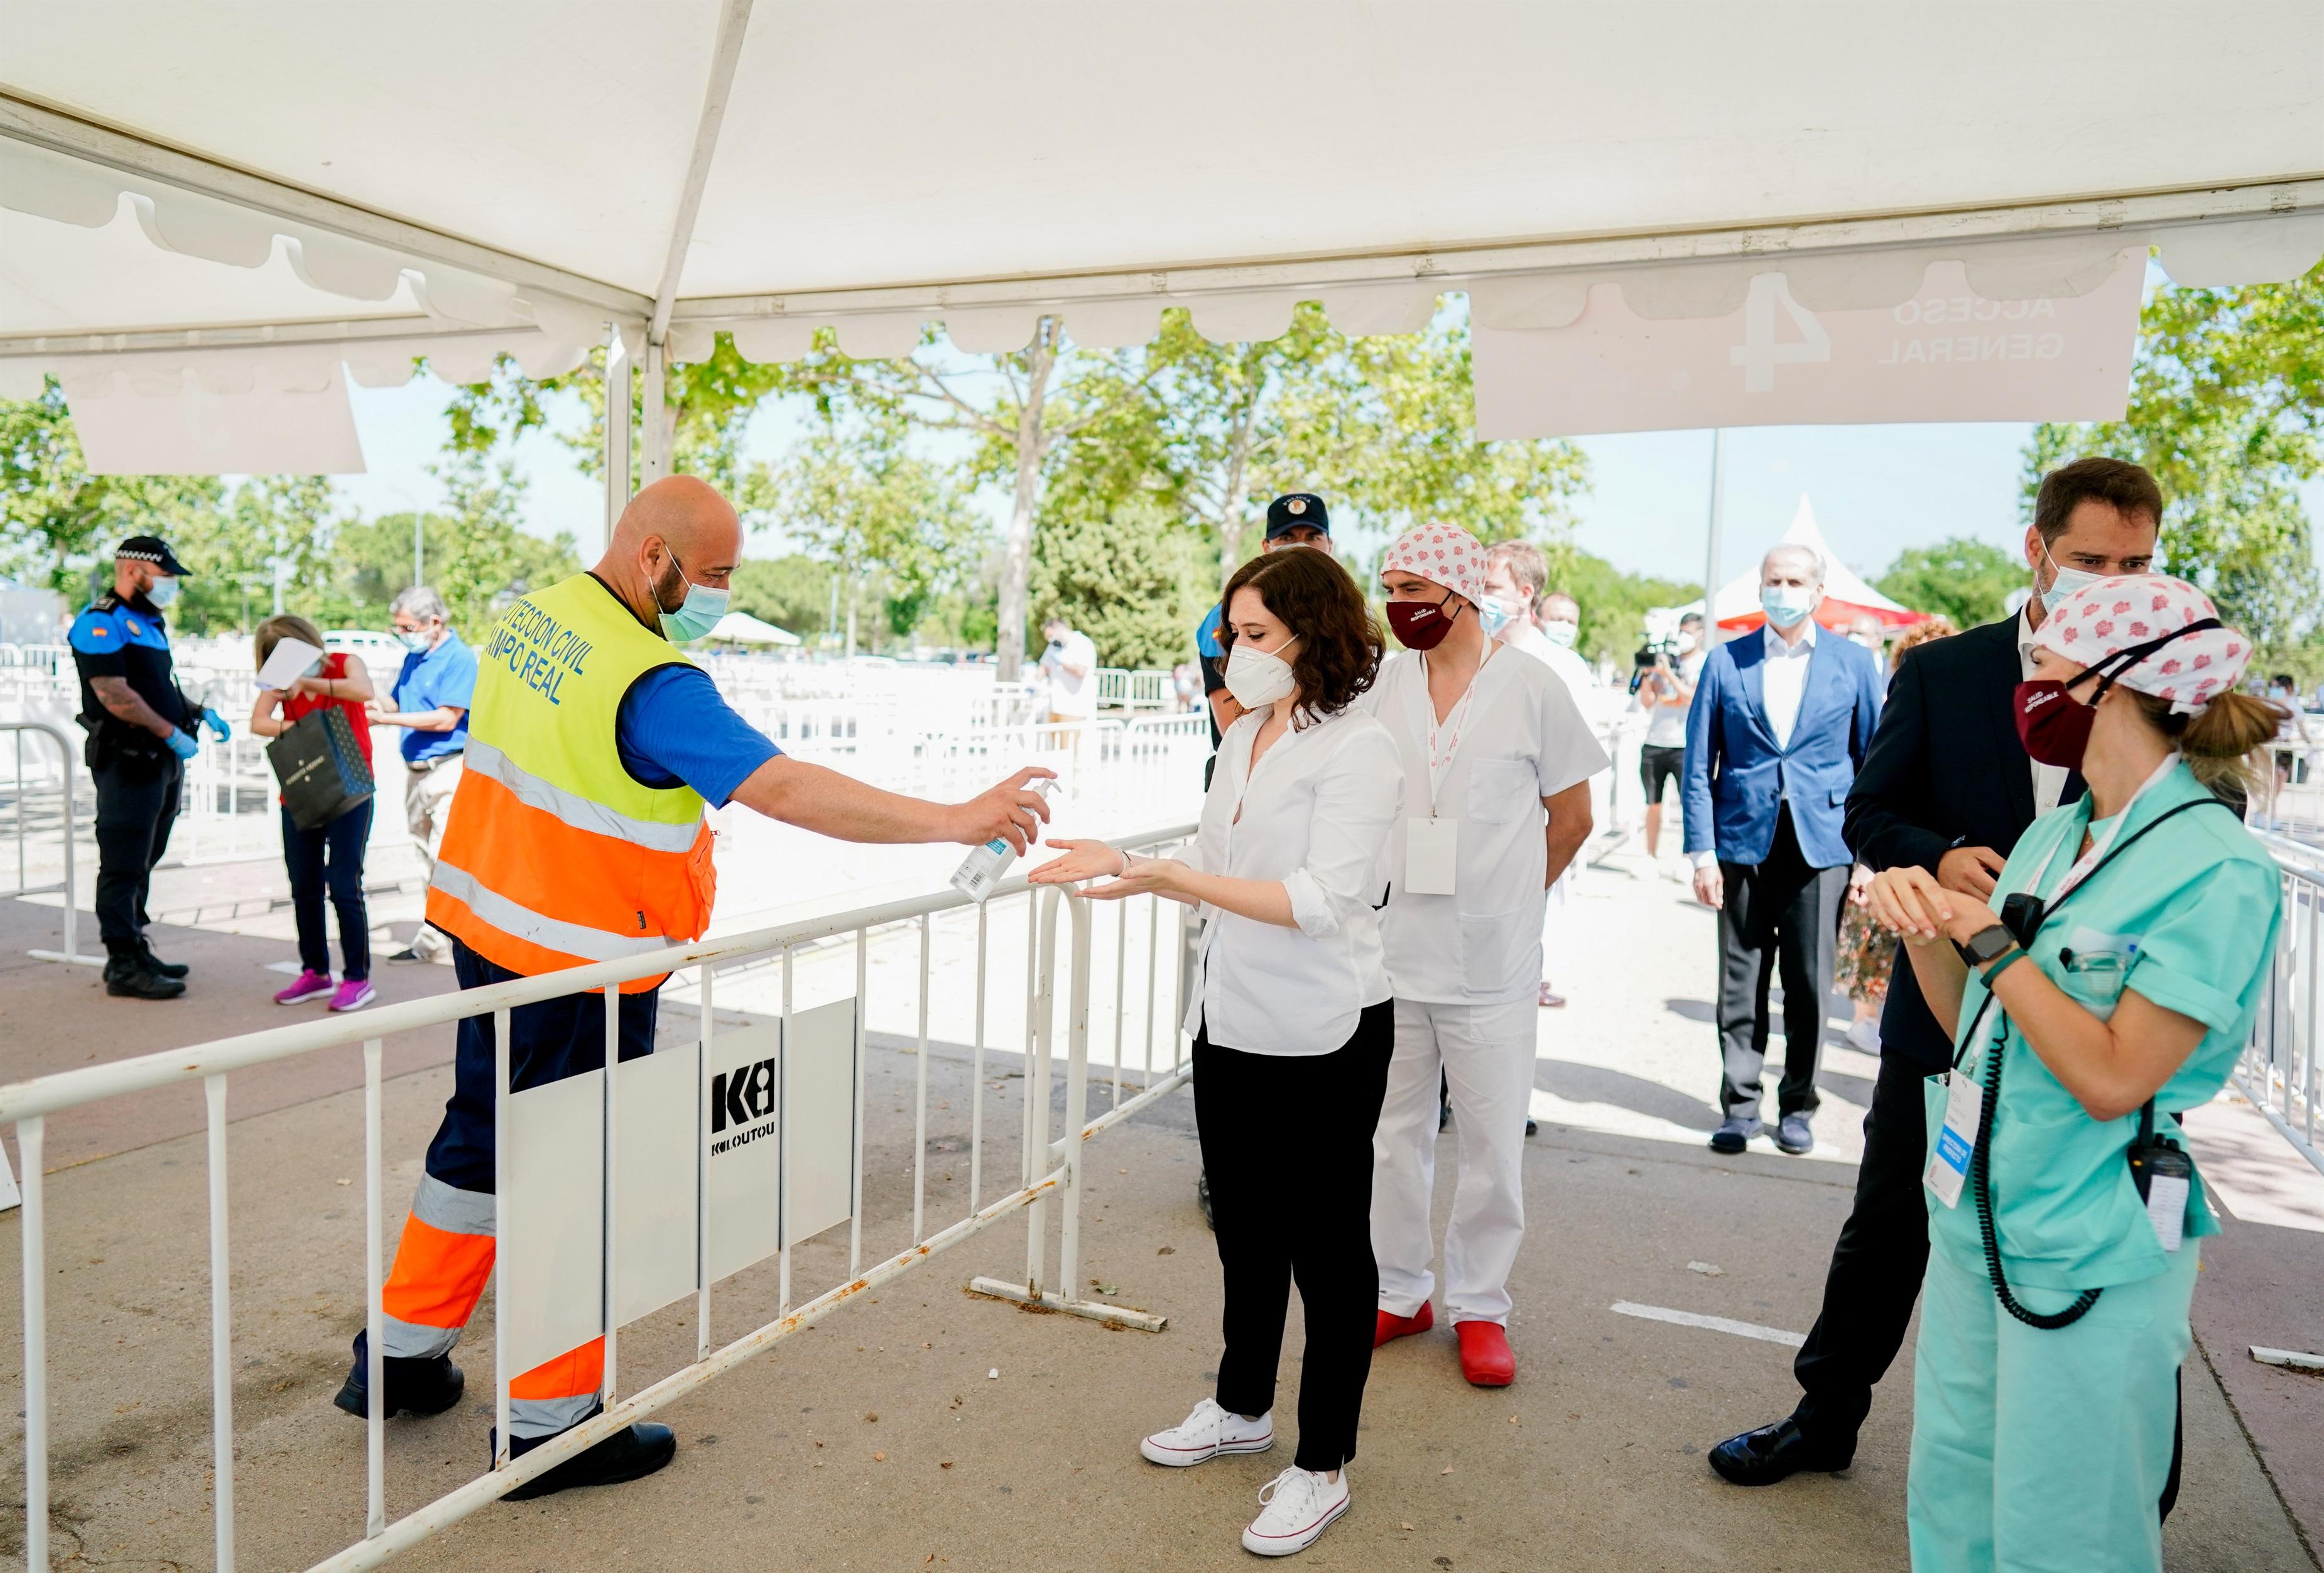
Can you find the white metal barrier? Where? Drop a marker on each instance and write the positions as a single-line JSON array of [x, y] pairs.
[[2278, 1071], [57, 806], [1052, 1163], [1142, 688]]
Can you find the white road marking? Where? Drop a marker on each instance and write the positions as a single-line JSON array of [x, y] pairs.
[[1658, 1313]]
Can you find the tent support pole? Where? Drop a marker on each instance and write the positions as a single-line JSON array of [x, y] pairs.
[[653, 443], [1713, 548], [617, 431]]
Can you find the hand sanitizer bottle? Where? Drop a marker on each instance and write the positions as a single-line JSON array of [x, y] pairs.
[[983, 868]]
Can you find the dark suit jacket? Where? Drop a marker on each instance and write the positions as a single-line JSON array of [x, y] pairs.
[[1946, 769], [1736, 780]]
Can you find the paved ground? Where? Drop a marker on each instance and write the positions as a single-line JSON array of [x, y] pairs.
[[1593, 1460]]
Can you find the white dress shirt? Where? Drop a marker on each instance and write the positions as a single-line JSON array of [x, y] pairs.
[[1315, 815], [2049, 780], [1786, 677]]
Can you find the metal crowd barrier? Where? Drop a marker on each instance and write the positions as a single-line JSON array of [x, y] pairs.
[[1052, 1167], [63, 818], [2278, 1071]]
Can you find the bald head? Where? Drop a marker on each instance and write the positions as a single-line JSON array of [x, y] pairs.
[[676, 531]]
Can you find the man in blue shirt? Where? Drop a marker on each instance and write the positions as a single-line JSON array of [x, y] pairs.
[[431, 699]]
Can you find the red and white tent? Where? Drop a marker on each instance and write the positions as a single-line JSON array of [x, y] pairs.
[[1846, 597]]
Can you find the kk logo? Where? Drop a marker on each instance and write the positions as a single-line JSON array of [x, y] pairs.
[[743, 1094]]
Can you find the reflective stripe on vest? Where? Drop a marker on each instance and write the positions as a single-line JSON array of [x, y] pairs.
[[553, 855]]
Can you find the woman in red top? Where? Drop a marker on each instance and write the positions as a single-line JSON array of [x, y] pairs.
[[331, 855]]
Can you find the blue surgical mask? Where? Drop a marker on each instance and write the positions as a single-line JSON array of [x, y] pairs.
[[1492, 617], [161, 591], [2070, 581], [416, 641], [1561, 632], [698, 614], [1785, 604]]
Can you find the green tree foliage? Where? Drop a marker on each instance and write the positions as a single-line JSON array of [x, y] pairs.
[[2227, 408], [793, 592], [60, 522], [1130, 577], [1613, 603], [1967, 580]]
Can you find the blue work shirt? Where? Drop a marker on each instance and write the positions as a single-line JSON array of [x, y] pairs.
[[128, 640], [675, 729], [431, 679]]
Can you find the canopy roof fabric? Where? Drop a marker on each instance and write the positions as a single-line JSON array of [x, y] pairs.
[[461, 179], [741, 628], [1846, 597]]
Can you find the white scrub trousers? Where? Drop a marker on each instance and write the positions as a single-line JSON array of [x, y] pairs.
[[1485, 1051]]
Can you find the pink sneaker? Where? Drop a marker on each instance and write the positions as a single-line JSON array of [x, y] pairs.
[[309, 985], [354, 994]]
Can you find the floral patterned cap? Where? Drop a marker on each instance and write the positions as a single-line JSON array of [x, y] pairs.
[[1443, 554], [2116, 613]]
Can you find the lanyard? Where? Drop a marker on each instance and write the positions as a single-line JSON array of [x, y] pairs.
[[1445, 739], [2088, 861]]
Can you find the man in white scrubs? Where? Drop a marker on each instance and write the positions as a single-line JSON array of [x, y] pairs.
[[1498, 762]]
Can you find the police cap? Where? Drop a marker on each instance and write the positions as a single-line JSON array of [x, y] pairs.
[[153, 549], [1296, 511]]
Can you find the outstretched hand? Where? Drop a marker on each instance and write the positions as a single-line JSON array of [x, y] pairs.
[[1012, 813], [1088, 860]]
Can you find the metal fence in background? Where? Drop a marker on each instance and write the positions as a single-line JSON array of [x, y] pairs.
[[2278, 1069], [1144, 988]]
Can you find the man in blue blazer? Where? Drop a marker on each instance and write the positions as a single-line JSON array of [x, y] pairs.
[[1780, 721]]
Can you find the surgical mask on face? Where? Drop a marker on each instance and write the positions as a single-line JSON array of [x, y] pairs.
[[1686, 644], [161, 591], [2070, 581], [697, 615], [414, 640], [1562, 633], [1257, 678], [1497, 621], [1786, 604]]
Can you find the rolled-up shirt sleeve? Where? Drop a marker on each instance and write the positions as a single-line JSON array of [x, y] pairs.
[[2200, 955], [1356, 802]]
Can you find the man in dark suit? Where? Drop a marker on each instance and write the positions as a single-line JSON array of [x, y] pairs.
[[1947, 787], [1780, 721]]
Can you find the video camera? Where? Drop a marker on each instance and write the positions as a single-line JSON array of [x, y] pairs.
[[1661, 647]]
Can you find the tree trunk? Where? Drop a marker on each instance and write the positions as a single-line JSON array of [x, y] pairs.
[[1032, 444], [1230, 500]]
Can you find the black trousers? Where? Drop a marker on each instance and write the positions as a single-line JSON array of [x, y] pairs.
[[1287, 1144], [1877, 1270], [330, 857], [1779, 916], [137, 804]]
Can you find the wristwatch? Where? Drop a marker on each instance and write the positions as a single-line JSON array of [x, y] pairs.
[[1986, 945]]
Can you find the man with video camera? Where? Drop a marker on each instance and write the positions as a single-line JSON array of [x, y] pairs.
[[1663, 676]]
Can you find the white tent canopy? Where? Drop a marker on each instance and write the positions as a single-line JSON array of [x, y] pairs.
[[741, 628], [1845, 592], [335, 187]]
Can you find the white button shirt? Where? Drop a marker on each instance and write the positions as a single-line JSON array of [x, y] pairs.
[[1315, 815], [1523, 739], [2049, 780], [1786, 677]]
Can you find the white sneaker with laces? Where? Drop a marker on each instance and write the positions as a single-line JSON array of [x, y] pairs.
[[1295, 1508], [1205, 1434], [1864, 1036]]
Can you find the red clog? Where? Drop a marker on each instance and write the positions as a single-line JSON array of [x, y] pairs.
[[1485, 1358], [1391, 1326]]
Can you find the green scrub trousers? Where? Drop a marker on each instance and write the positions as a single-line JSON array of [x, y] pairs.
[[2040, 1451]]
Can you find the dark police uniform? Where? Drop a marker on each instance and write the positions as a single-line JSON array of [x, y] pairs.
[[138, 778]]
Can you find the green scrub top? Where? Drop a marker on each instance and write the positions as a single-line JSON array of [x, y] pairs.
[[2187, 918]]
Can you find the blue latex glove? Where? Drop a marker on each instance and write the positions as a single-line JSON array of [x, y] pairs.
[[216, 724], [184, 745]]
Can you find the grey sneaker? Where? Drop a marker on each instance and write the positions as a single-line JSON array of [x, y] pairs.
[[1792, 1136], [1735, 1134]]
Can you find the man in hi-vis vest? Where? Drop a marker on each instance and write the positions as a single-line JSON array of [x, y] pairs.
[[576, 835]]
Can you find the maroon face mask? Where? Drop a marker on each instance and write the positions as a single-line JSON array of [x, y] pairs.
[[1421, 624], [2053, 724]]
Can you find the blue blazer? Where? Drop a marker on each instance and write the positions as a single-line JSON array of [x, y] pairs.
[[1736, 779]]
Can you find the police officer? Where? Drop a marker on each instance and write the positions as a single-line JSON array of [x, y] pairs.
[[141, 732]]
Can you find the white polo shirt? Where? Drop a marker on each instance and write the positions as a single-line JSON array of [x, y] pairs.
[[1523, 739]]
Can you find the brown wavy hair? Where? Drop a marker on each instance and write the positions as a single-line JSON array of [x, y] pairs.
[[2221, 741], [1309, 593]]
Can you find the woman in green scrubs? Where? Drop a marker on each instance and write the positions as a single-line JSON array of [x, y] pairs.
[[2055, 1312]]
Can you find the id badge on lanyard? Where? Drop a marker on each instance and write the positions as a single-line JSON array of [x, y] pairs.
[[1432, 847], [1956, 1141]]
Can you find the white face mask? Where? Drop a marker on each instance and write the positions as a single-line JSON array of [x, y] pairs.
[[2070, 581], [1257, 678], [1686, 644], [1562, 633]]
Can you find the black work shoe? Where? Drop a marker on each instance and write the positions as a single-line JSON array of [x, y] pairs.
[[128, 977], [428, 1384], [154, 964], [1735, 1134], [631, 1454], [1775, 1452], [1792, 1136], [1203, 1199]]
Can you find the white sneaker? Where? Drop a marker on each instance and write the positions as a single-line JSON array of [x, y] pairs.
[[1205, 1434], [1865, 1035], [1297, 1505]]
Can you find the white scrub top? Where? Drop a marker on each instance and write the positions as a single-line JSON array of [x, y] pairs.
[[1524, 739]]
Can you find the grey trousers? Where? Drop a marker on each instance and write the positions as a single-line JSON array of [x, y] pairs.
[[1780, 917]]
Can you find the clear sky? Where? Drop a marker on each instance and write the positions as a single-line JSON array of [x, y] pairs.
[[1877, 489]]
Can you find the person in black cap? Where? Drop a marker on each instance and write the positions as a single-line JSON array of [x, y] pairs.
[[1294, 519], [141, 733]]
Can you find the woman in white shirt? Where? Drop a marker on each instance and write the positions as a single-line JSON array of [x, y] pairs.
[[1292, 1020]]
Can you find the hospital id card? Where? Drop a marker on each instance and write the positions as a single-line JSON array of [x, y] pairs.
[[1431, 856], [1956, 1139]]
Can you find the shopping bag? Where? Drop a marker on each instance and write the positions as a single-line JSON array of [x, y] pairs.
[[322, 770]]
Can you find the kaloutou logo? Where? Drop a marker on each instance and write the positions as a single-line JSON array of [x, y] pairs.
[[739, 1096]]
